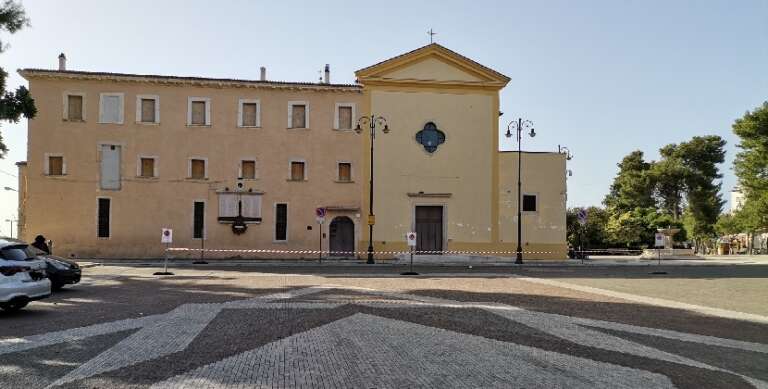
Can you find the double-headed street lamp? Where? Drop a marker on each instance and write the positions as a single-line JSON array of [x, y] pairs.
[[372, 122], [519, 126]]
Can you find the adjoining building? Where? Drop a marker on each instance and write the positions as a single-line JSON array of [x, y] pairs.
[[243, 164]]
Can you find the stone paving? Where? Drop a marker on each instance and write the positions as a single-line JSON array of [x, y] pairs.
[[266, 330]]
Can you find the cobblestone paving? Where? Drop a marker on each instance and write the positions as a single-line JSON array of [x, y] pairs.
[[360, 335]]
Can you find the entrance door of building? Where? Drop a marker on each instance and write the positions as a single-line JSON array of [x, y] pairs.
[[429, 228], [342, 237]]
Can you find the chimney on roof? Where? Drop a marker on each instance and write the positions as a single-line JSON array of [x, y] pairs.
[[327, 73], [62, 62], [263, 74]]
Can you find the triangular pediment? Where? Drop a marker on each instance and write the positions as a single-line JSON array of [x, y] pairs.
[[432, 65]]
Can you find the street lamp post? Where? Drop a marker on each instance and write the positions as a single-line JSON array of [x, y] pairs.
[[372, 122], [11, 221], [519, 126]]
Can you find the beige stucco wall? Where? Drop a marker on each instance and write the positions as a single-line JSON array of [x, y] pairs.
[[462, 166], [64, 208], [543, 174]]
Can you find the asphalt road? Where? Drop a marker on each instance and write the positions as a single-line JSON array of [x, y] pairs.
[[358, 326]]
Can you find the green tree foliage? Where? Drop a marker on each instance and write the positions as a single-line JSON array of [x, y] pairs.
[[632, 187], [592, 234], [751, 166], [729, 224], [646, 196], [13, 105]]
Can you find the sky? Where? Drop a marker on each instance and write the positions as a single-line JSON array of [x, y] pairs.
[[603, 78]]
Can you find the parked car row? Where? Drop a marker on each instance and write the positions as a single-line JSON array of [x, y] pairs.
[[28, 274]]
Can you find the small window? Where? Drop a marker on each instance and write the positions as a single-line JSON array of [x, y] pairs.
[[297, 171], [55, 165], [147, 167], [199, 111], [198, 227], [345, 116], [298, 115], [148, 109], [111, 108], [248, 170], [345, 172], [281, 222], [197, 169], [529, 203], [75, 108], [104, 206], [249, 114]]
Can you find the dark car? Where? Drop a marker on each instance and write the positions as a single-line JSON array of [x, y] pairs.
[[61, 271]]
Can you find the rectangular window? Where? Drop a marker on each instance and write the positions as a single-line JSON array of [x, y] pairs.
[[345, 118], [297, 171], [55, 165], [529, 203], [298, 116], [197, 169], [110, 167], [75, 108], [281, 222], [345, 172], [250, 111], [248, 170], [103, 218], [198, 113], [111, 108], [147, 168], [198, 226], [148, 110]]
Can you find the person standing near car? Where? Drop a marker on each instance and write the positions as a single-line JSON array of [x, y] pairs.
[[40, 244]]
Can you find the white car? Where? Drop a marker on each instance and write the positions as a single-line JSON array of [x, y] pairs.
[[22, 275]]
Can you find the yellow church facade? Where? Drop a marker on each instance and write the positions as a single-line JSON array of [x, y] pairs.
[[244, 164]]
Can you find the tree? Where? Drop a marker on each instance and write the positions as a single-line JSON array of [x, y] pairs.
[[701, 157], [632, 187], [13, 105], [751, 167], [729, 224], [592, 234], [669, 175]]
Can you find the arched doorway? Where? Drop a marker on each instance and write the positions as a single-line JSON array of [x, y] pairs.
[[342, 237]]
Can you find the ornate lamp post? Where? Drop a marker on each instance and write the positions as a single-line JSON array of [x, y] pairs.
[[372, 122], [519, 126]]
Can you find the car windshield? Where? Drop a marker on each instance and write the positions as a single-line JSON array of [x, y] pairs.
[[17, 253]]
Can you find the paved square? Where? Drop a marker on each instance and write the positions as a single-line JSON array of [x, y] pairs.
[[223, 328]]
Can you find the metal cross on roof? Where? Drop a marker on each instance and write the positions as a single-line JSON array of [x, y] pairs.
[[431, 35]]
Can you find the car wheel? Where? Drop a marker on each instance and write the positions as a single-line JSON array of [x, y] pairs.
[[14, 305]]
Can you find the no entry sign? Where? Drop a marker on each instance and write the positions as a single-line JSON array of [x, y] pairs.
[[166, 236]]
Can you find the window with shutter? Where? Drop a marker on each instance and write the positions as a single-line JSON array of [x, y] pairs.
[[248, 170], [299, 116], [297, 171], [198, 113], [103, 218], [74, 107], [55, 166], [111, 108], [148, 110], [249, 114], [345, 172], [281, 222], [197, 169], [147, 167], [345, 118]]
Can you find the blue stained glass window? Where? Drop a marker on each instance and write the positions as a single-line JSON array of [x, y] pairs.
[[430, 137]]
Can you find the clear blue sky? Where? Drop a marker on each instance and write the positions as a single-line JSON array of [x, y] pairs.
[[601, 77]]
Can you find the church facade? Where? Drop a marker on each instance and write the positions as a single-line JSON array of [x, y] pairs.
[[244, 164]]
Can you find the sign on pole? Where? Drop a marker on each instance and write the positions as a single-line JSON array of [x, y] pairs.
[[371, 220], [320, 215], [167, 236], [411, 237], [659, 240], [582, 216]]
